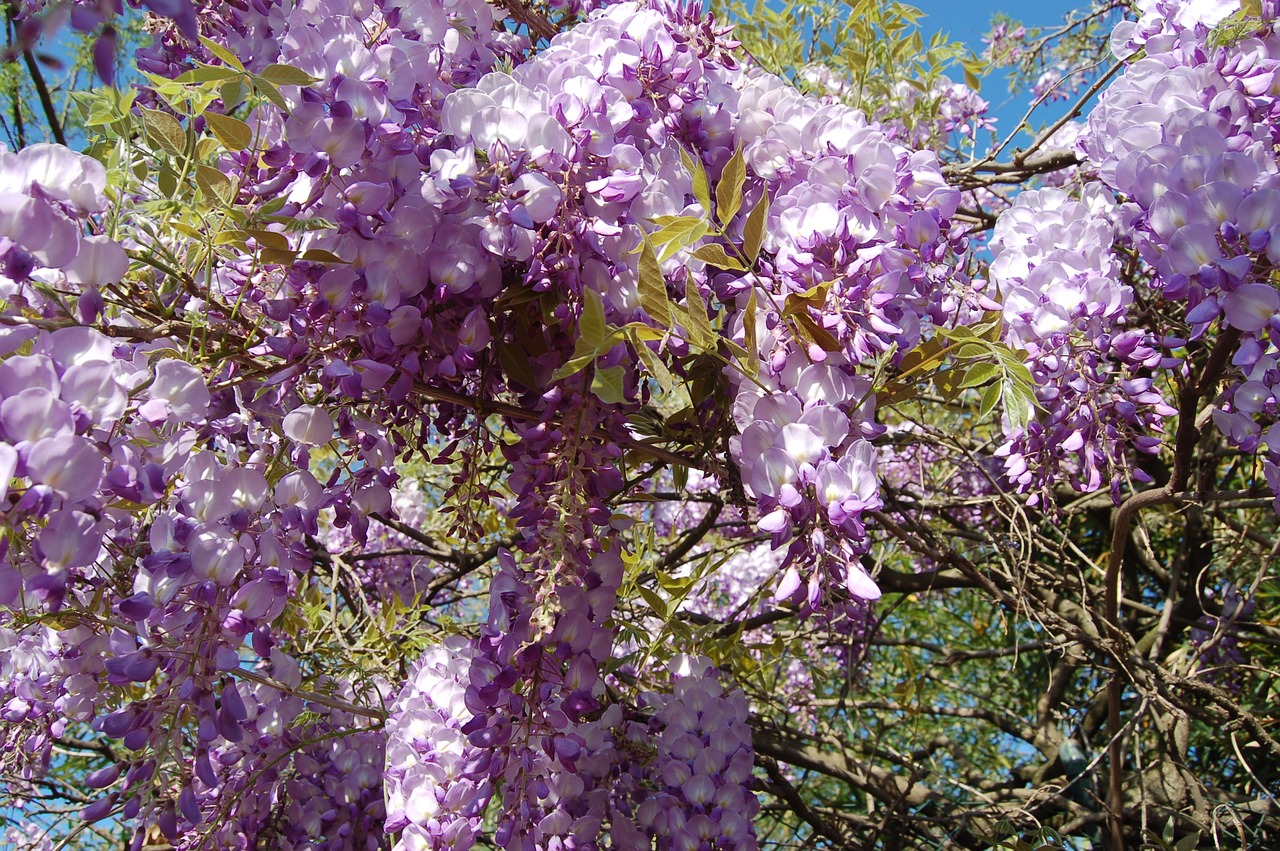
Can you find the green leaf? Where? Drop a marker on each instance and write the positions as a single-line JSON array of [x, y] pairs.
[[515, 366], [319, 255], [233, 92], [1018, 406], [278, 257], [287, 75], [979, 374], [753, 233], [214, 184], [972, 350], [1188, 843], [207, 74], [990, 397], [574, 365], [163, 129], [654, 366], [812, 332], [700, 332], [678, 229], [640, 331], [701, 190], [591, 325], [655, 601], [222, 53], [749, 334], [729, 189], [653, 286], [609, 385], [232, 132], [268, 90], [269, 239], [714, 254]]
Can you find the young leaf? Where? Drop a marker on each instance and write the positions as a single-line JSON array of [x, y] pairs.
[[515, 365], [207, 74], [989, 398], [812, 332], [319, 255], [700, 332], [233, 92], [232, 132], [165, 131], [269, 91], [749, 334], [654, 365], [574, 365], [609, 385], [753, 233], [655, 602], [1017, 406], [729, 189], [701, 190], [222, 53], [278, 257], [685, 239], [653, 286], [591, 327], [979, 374], [269, 239], [214, 184], [678, 231], [715, 255], [287, 75]]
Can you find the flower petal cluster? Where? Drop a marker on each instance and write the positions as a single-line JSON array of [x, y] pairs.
[[1187, 137], [702, 767], [1065, 306]]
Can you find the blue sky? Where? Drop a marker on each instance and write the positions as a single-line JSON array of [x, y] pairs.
[[969, 20]]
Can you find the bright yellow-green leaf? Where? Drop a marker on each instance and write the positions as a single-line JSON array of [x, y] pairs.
[[233, 93], [979, 374], [729, 189], [653, 286], [642, 332], [989, 398], [715, 255], [232, 132], [609, 385], [287, 75], [653, 365], [683, 232], [701, 189], [753, 233], [574, 365], [699, 327], [269, 90], [749, 334], [214, 184], [591, 325], [222, 53], [163, 129], [207, 74]]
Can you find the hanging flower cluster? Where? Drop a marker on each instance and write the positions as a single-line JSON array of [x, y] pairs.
[[1187, 136]]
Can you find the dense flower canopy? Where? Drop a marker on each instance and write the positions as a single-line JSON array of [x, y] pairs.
[[335, 248]]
